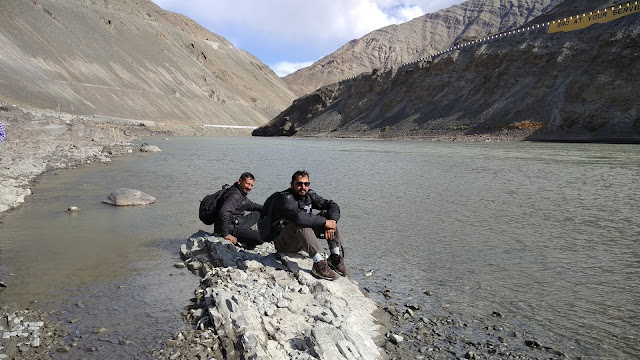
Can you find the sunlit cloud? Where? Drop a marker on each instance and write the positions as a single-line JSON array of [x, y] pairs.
[[285, 32], [283, 68]]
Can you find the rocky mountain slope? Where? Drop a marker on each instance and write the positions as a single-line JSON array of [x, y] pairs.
[[395, 45], [569, 86], [130, 59]]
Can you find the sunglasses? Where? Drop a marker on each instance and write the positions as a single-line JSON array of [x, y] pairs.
[[305, 183]]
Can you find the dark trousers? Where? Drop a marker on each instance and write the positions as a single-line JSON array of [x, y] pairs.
[[242, 230]]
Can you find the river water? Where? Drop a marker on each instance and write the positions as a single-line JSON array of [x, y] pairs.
[[545, 234]]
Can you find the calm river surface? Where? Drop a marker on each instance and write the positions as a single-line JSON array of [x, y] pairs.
[[546, 234]]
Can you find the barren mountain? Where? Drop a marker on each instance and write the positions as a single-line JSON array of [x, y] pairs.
[[395, 45], [569, 86], [130, 59]]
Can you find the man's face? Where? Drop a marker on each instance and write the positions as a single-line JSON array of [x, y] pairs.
[[246, 184], [301, 185]]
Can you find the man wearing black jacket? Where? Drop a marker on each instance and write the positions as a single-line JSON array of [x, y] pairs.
[[231, 221], [302, 228]]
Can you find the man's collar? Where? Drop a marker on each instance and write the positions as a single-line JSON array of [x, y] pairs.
[[237, 185]]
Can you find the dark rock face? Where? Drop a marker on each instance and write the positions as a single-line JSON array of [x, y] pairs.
[[131, 60], [575, 86], [395, 45]]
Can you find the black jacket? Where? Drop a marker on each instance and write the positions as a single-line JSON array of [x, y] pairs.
[[231, 206], [293, 208]]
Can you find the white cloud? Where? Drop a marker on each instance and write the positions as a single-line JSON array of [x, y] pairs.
[[294, 31], [283, 68]]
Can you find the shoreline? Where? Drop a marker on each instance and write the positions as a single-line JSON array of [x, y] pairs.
[[504, 135], [71, 143]]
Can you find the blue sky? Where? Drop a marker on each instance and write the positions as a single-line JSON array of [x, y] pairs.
[[290, 34]]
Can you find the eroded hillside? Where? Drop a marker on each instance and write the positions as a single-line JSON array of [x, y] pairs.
[[395, 45], [130, 59]]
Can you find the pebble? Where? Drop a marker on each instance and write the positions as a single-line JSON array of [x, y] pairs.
[[396, 339], [172, 343]]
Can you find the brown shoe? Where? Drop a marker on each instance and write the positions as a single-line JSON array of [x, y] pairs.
[[336, 262], [321, 270]]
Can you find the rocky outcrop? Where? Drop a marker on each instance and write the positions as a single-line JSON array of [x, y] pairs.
[[128, 197], [574, 86], [395, 45], [258, 304], [133, 61]]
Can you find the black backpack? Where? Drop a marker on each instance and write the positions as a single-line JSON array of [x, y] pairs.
[[267, 226], [209, 206]]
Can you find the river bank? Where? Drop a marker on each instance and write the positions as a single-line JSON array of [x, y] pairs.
[[38, 142], [413, 332]]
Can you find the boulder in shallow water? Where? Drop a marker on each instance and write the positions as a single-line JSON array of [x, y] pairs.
[[149, 148], [129, 197]]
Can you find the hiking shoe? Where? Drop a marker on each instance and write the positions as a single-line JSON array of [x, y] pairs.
[[321, 270], [336, 262]]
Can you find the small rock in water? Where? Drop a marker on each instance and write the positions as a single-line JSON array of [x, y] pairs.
[[179, 265], [387, 294], [532, 344]]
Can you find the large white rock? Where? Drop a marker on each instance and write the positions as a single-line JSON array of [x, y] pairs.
[[268, 306], [128, 197], [149, 148]]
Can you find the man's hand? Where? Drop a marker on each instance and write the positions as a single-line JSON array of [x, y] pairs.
[[330, 229], [231, 238], [329, 234]]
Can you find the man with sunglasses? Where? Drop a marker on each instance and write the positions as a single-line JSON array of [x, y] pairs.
[[232, 223], [302, 228]]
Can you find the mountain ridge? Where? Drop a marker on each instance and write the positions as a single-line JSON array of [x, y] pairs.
[[573, 86], [393, 45]]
